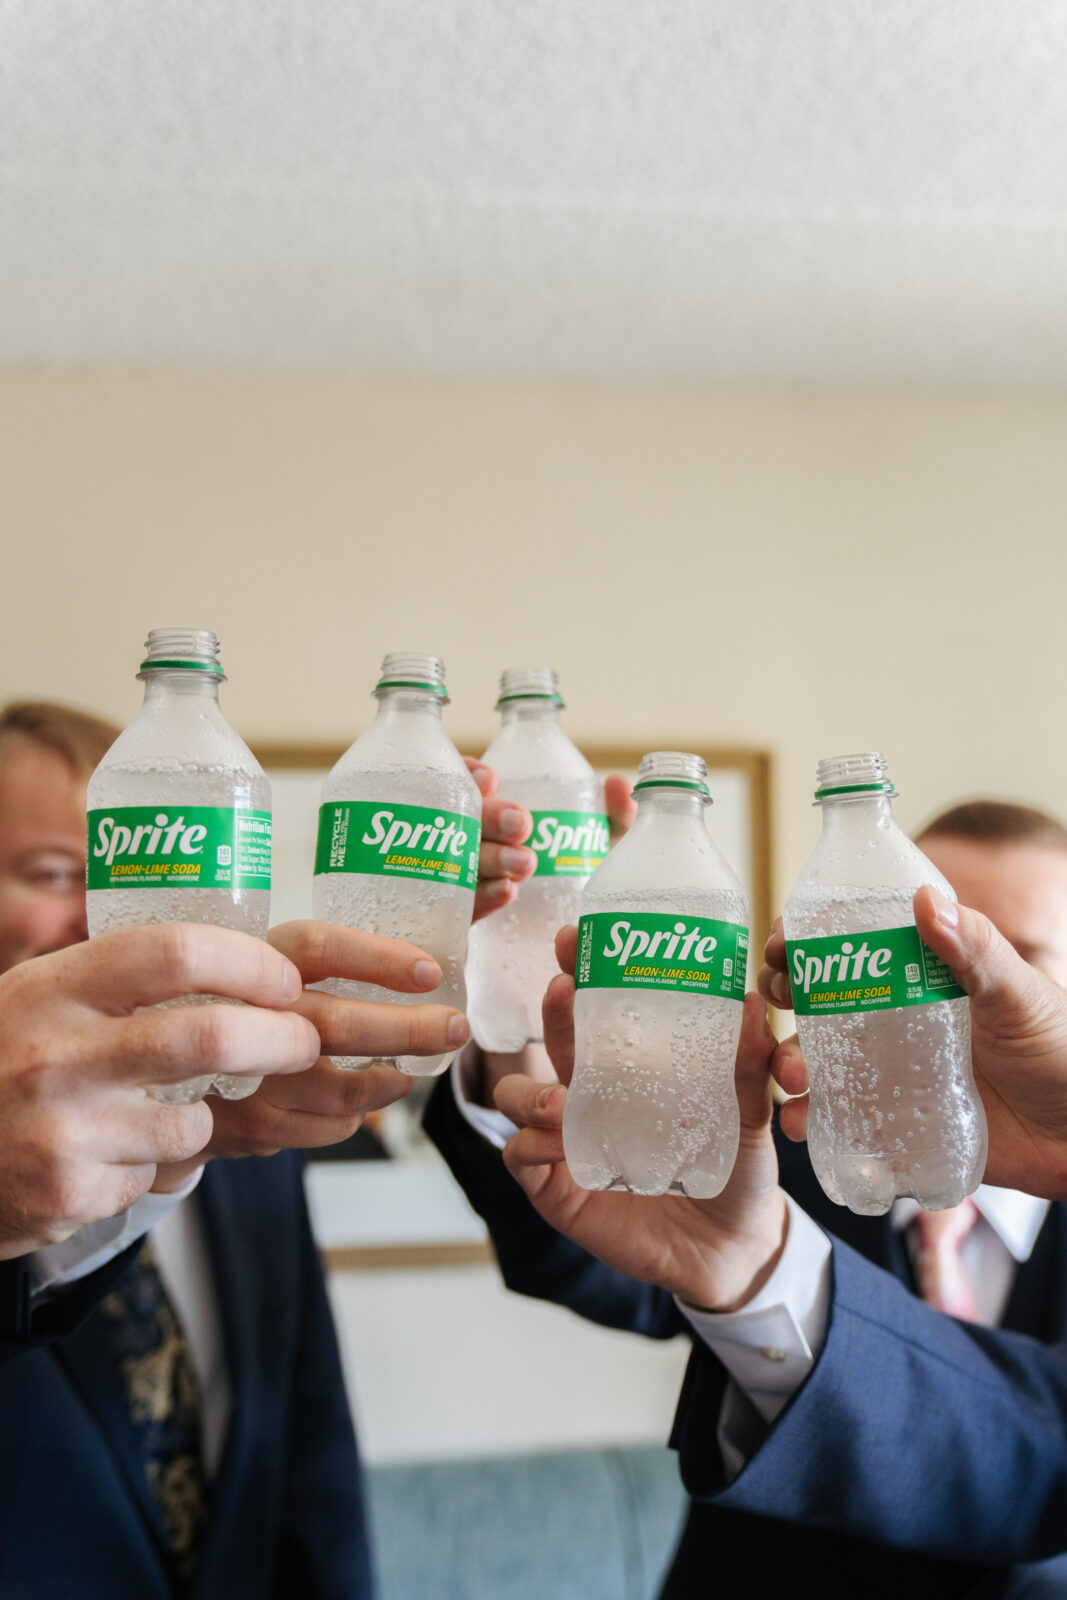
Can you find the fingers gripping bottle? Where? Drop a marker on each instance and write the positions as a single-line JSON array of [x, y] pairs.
[[399, 830], [180, 819], [884, 1028], [512, 953], [662, 955]]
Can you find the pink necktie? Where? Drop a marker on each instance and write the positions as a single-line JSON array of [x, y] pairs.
[[943, 1281]]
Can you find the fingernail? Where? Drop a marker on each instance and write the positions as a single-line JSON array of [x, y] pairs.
[[515, 862], [292, 983], [513, 822], [458, 1029], [781, 991], [545, 1095], [946, 911], [427, 974]]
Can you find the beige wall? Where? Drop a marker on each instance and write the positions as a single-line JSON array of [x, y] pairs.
[[813, 573]]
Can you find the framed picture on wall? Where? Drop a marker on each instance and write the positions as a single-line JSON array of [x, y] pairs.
[[739, 819]]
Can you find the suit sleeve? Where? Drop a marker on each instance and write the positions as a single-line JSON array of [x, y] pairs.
[[534, 1259], [28, 1321], [913, 1429], [323, 1545]]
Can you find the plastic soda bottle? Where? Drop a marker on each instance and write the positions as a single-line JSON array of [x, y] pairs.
[[662, 957], [399, 831], [180, 819], [512, 953], [884, 1028]]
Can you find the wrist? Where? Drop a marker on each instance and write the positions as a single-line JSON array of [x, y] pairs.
[[743, 1266]]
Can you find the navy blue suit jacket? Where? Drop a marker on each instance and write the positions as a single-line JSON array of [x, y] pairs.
[[945, 1441], [286, 1515]]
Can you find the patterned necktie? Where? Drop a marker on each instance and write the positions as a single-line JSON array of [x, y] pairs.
[[163, 1396], [943, 1281]]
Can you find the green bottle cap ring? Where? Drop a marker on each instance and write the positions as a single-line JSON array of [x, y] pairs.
[[534, 694], [855, 788], [409, 683], [183, 666], [673, 783]]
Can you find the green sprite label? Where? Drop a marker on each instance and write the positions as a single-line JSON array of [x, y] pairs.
[[569, 844], [398, 841], [171, 847], [652, 951], [866, 972]]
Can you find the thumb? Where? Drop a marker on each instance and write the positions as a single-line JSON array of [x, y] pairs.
[[557, 1014], [1000, 983], [752, 1076]]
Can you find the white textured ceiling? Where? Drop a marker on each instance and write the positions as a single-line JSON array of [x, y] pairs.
[[824, 192]]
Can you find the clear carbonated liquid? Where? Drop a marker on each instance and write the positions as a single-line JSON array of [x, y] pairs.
[[512, 956], [168, 784], [434, 916], [892, 1108], [651, 1107]]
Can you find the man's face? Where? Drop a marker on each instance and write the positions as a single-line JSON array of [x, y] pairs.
[[42, 855], [1021, 888]]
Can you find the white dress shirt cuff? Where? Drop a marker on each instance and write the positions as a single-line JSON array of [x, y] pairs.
[[57, 1265], [770, 1346], [486, 1120]]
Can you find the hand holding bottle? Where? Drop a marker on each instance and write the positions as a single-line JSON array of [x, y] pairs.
[[324, 1105], [884, 1026], [179, 817], [1018, 1044], [80, 1137], [504, 862], [712, 1253]]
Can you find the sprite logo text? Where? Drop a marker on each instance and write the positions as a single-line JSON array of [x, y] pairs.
[[203, 847], [405, 841], [866, 972], [653, 951], [159, 834], [568, 844]]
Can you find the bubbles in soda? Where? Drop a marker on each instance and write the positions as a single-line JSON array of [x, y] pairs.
[[512, 958], [651, 1107], [892, 1109], [405, 782], [180, 752]]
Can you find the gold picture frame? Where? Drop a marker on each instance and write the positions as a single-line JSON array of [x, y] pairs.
[[755, 766]]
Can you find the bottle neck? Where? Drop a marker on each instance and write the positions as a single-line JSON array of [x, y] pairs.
[[164, 685], [670, 805], [394, 704], [532, 710], [867, 811]]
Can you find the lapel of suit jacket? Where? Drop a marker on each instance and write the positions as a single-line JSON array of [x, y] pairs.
[[231, 1243], [88, 1360]]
